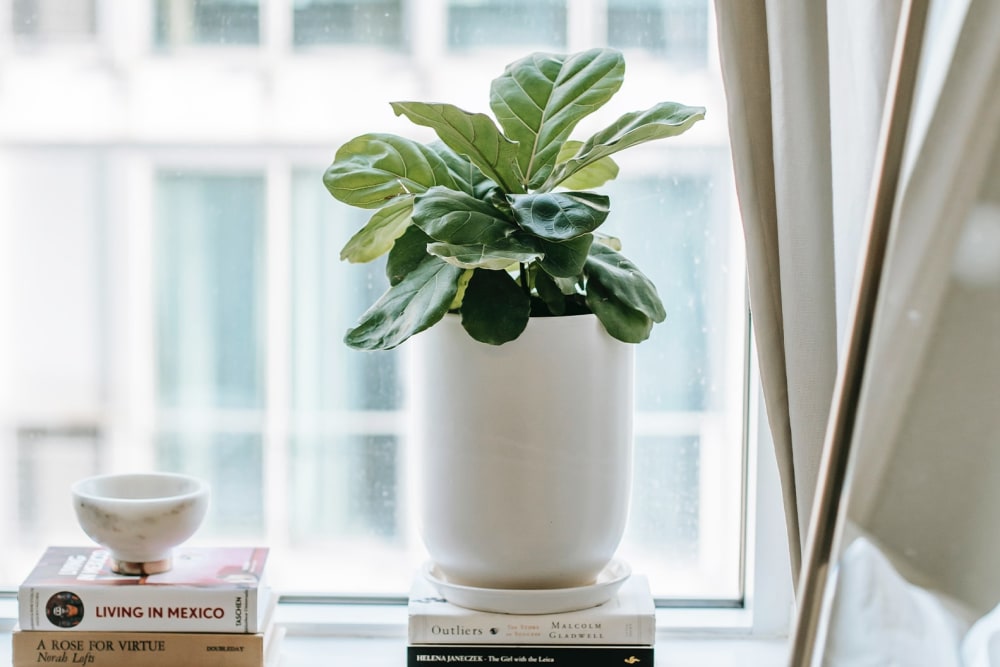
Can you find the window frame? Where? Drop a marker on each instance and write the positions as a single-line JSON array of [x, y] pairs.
[[767, 603]]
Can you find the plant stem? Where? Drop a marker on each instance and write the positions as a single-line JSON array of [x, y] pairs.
[[524, 279]]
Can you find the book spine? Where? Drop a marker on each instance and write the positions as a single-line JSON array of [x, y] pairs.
[[131, 649], [620, 629], [139, 609], [553, 656]]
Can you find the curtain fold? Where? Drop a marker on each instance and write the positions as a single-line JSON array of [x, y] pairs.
[[805, 91], [959, 120]]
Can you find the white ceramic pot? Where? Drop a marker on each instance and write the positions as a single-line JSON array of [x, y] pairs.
[[525, 452]]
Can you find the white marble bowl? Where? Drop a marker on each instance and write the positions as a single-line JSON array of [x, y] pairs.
[[140, 517]]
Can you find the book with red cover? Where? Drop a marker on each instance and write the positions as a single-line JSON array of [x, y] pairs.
[[208, 589]]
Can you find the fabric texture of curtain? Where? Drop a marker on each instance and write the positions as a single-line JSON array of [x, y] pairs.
[[944, 240], [805, 87]]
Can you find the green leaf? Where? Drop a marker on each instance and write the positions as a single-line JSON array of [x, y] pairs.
[[549, 293], [376, 238], [409, 251], [371, 169], [495, 309], [592, 176], [611, 273], [666, 119], [408, 307], [566, 259], [468, 177], [450, 216], [621, 321], [497, 256], [538, 100], [463, 284], [474, 135], [559, 216]]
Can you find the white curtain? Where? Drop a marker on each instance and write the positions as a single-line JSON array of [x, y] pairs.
[[805, 85], [931, 408], [922, 484]]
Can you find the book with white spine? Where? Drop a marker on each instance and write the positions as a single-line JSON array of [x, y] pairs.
[[208, 589], [628, 618]]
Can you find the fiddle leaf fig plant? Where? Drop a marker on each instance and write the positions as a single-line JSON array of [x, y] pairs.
[[498, 220]]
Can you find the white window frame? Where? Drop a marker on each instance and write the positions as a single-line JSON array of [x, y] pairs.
[[767, 590]]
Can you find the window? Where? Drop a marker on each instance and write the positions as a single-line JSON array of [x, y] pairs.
[[209, 370], [324, 22], [676, 29], [541, 24], [206, 22], [53, 21], [176, 298]]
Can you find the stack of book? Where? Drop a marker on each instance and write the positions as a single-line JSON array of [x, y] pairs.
[[213, 607], [620, 631]]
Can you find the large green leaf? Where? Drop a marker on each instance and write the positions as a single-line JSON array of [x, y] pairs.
[[454, 217], [371, 169], [474, 135], [468, 177], [621, 321], [495, 309], [663, 120], [611, 273], [565, 259], [407, 253], [496, 256], [408, 307], [559, 216], [594, 175], [376, 238], [539, 99]]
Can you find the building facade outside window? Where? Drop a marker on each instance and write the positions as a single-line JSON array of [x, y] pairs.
[[51, 21], [176, 298]]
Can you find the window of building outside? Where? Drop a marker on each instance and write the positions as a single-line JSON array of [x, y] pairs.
[[171, 294], [53, 21]]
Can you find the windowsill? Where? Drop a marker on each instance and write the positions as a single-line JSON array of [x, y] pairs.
[[375, 635]]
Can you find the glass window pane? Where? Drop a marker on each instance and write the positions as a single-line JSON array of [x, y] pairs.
[[54, 20], [232, 463], [674, 227], [210, 273], [375, 22], [665, 500], [42, 515], [345, 407], [488, 23], [674, 29], [206, 22], [355, 478], [327, 298], [208, 252], [669, 229]]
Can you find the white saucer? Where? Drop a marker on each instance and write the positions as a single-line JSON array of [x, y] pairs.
[[534, 601]]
